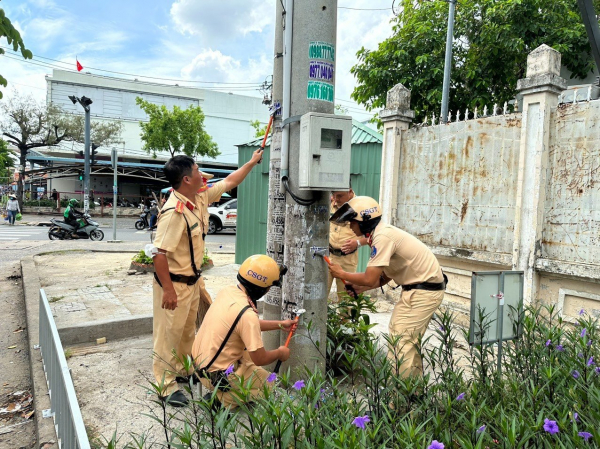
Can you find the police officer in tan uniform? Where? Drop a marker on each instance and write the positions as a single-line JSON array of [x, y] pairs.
[[396, 255], [177, 253], [228, 348], [343, 243]]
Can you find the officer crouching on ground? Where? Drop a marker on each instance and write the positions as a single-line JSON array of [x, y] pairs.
[[228, 349], [178, 251], [396, 255]]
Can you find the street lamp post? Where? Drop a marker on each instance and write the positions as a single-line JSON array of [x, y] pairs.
[[85, 102], [448, 63]]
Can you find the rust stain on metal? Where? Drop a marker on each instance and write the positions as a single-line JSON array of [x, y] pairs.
[[463, 209]]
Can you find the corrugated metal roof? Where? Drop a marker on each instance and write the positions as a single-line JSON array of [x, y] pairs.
[[360, 134]]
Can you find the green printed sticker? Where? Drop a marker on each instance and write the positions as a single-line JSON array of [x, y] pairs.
[[319, 91], [321, 50]]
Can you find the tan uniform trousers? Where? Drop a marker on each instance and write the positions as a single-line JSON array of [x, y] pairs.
[[253, 377], [409, 321], [348, 263], [174, 329]]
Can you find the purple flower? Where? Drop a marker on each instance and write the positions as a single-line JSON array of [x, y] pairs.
[[589, 343], [548, 343], [442, 328], [481, 429], [575, 417], [229, 370], [582, 312], [597, 370], [583, 331], [360, 421], [550, 426], [575, 374], [560, 348], [272, 378], [435, 444], [460, 397], [590, 362], [585, 435], [580, 355], [299, 385]]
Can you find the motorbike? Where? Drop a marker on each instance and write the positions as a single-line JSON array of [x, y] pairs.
[[144, 220], [63, 231]]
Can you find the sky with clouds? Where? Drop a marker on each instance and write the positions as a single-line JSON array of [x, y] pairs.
[[228, 41]]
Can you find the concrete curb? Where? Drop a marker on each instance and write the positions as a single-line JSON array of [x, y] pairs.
[[111, 329], [44, 427]]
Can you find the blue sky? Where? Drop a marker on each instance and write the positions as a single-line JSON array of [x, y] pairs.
[[229, 41]]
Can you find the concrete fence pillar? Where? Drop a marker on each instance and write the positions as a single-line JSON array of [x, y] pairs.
[[540, 92], [396, 117]]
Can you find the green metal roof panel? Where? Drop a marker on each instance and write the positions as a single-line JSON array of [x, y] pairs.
[[360, 134]]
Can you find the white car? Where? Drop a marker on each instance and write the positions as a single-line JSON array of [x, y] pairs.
[[222, 217]]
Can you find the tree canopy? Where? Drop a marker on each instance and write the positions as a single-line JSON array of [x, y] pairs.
[[176, 131], [28, 124], [14, 39], [6, 162], [491, 42]]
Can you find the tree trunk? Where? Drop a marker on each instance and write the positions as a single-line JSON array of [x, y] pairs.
[[22, 162]]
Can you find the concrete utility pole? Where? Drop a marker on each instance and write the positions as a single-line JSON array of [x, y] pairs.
[[312, 26], [276, 208], [448, 63]]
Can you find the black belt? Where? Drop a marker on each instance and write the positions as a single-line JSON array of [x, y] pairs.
[[429, 286], [189, 280], [339, 252]]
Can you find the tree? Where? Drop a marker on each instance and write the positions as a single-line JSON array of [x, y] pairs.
[[176, 131], [6, 163], [259, 129], [28, 124], [14, 38], [492, 41]]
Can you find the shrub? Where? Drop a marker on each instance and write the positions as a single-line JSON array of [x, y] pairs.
[[39, 203], [142, 258], [547, 396]]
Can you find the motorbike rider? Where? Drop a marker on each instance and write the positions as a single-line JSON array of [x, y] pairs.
[[72, 215]]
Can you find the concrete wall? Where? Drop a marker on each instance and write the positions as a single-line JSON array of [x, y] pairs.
[[504, 192]]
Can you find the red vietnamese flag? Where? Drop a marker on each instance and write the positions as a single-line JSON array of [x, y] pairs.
[[79, 66]]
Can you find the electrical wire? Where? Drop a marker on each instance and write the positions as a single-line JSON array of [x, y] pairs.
[[132, 74], [300, 201], [249, 88]]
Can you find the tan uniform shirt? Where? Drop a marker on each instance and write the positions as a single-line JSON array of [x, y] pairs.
[[339, 233], [219, 318], [404, 258], [171, 230]]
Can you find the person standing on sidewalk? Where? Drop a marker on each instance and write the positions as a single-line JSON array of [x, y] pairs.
[[178, 252], [343, 243], [12, 209], [396, 255]]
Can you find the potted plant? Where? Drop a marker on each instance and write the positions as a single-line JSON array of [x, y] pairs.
[[141, 262], [207, 262]]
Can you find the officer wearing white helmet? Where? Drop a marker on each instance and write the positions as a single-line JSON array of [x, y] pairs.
[[396, 255], [229, 347]]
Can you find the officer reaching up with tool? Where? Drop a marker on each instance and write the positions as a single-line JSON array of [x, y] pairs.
[[395, 255], [229, 349], [177, 252]]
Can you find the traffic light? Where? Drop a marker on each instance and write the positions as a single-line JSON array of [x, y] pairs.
[[81, 176], [94, 153]]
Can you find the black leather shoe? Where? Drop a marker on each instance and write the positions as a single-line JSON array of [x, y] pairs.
[[182, 380], [176, 399]]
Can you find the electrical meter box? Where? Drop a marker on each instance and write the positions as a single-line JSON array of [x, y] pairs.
[[325, 143]]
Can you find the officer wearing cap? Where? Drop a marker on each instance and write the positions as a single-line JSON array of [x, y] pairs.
[[343, 243], [178, 251], [228, 348], [396, 255]]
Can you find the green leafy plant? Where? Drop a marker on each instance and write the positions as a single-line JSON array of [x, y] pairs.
[[205, 258], [142, 258], [548, 396]]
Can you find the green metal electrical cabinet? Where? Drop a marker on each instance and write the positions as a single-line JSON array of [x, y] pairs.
[[253, 193]]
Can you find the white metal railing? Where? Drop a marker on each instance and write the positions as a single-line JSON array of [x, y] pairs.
[[63, 401]]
